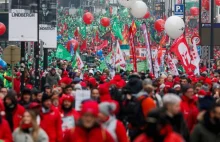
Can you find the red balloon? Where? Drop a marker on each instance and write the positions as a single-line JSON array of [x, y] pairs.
[[194, 11], [2, 28], [147, 15], [217, 2], [72, 42], [105, 21], [159, 25], [205, 4], [88, 18]]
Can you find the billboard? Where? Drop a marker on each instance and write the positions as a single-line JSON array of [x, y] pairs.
[[47, 23], [23, 20]]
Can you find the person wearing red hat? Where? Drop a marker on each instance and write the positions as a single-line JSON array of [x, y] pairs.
[[104, 92], [68, 114], [92, 83], [109, 122], [5, 132], [17, 82], [88, 130], [118, 81]]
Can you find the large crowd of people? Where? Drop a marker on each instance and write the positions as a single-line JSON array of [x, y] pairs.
[[128, 106]]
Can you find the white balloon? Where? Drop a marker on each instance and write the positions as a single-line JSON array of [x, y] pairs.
[[174, 27], [126, 3], [139, 9]]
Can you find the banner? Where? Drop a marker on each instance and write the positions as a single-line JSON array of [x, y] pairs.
[[47, 23], [119, 61], [147, 44], [23, 20], [172, 67]]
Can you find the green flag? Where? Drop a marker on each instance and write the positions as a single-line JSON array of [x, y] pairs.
[[116, 29], [62, 53]]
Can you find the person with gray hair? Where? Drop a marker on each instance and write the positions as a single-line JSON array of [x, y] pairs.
[[173, 114]]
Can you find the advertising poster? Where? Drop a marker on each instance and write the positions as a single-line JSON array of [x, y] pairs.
[[23, 20], [47, 23]]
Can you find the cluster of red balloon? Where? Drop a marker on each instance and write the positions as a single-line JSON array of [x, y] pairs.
[[2, 28], [159, 25], [194, 11], [88, 19], [74, 43]]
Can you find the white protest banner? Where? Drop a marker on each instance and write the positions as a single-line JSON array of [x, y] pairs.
[[81, 95]]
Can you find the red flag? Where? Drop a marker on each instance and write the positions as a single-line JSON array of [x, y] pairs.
[[181, 49], [133, 49], [125, 35], [133, 29], [103, 45], [84, 45], [76, 33], [97, 37]]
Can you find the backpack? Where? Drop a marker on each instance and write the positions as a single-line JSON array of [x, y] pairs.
[[135, 115]]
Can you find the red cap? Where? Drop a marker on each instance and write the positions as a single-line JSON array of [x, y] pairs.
[[215, 80], [83, 84], [18, 74], [93, 82], [202, 93], [91, 107], [34, 105], [208, 81], [67, 98]]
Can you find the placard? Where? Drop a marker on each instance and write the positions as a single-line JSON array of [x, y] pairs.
[[81, 95], [47, 23], [23, 20]]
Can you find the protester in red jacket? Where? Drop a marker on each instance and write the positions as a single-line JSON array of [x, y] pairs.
[[13, 111], [118, 81], [104, 92], [188, 106], [50, 120], [68, 114], [17, 82], [88, 130], [5, 132], [110, 123]]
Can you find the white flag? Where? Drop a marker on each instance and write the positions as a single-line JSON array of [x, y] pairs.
[[79, 61], [195, 59], [120, 61], [172, 65]]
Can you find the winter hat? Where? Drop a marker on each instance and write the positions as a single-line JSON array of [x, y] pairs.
[[92, 81], [18, 74], [66, 81], [206, 102], [205, 88], [107, 108], [103, 78], [76, 80], [214, 80], [135, 84], [47, 85], [83, 84], [176, 86], [34, 105], [208, 81], [147, 82], [91, 72], [67, 98], [216, 86], [26, 91], [104, 89], [202, 93], [91, 107], [78, 87], [45, 97]]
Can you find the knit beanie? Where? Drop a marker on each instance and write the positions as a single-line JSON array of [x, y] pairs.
[[45, 97], [107, 108], [91, 107]]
